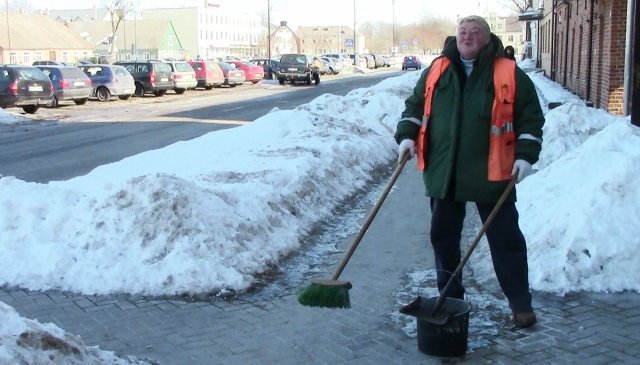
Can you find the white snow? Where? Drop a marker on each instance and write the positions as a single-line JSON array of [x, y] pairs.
[[8, 117], [208, 214]]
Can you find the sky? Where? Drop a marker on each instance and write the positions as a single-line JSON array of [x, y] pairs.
[[191, 219], [332, 12]]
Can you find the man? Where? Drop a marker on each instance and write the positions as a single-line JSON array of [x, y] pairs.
[[317, 66], [456, 158], [509, 53]]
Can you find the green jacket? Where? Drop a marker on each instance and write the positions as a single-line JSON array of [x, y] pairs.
[[459, 127]]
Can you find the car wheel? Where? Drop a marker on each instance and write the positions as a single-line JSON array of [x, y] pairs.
[[159, 93], [53, 103], [81, 101], [103, 94], [254, 82], [124, 97], [331, 72], [31, 109], [208, 87], [179, 91], [281, 81], [233, 85], [139, 90]]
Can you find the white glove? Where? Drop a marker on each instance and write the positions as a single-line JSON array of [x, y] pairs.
[[522, 168], [407, 145]]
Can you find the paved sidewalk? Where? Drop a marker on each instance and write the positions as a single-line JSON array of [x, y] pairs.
[[584, 328]]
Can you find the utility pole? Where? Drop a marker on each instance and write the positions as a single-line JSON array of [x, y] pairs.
[[269, 39], [354, 32], [393, 41], [9, 29]]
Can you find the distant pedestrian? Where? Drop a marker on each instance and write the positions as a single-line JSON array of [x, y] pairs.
[[198, 58], [509, 53]]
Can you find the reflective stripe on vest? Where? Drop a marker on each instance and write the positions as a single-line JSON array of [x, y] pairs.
[[502, 135]]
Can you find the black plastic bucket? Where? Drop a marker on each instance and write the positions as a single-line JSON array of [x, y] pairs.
[[442, 340]]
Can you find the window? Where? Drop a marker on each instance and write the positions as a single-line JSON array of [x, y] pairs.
[[76, 57], [86, 56], [127, 57], [170, 41], [26, 58], [38, 56], [65, 57], [14, 57], [499, 25], [201, 34], [146, 56], [510, 38]]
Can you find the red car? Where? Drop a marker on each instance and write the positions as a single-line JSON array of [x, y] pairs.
[[208, 73], [253, 72]]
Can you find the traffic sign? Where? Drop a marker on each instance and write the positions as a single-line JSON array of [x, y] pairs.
[[415, 41], [348, 42], [404, 45]]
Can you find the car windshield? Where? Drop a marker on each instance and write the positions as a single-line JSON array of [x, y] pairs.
[[294, 59], [162, 67], [32, 74], [183, 67]]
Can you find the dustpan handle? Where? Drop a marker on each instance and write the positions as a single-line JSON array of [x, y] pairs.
[[484, 228], [370, 217]]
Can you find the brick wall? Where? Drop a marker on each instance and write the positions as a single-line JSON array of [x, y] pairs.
[[607, 52]]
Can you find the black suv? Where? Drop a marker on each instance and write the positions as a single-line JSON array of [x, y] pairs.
[[151, 76], [24, 86], [295, 67]]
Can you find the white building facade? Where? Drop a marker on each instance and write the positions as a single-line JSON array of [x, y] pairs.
[[213, 30]]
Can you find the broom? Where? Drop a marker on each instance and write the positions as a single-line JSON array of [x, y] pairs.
[[334, 293]]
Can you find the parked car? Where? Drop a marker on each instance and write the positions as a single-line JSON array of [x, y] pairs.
[[232, 75], [55, 63], [335, 66], [295, 67], [150, 76], [371, 62], [344, 59], [184, 76], [208, 74], [264, 62], [110, 81], [69, 83], [253, 72], [358, 60], [378, 59], [24, 86], [411, 62], [388, 61]]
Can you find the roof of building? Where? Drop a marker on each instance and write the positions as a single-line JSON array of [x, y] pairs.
[[147, 33], [72, 15], [320, 30], [35, 31]]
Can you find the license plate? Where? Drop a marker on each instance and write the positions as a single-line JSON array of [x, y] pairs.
[[35, 88], [126, 91], [293, 69], [164, 79], [258, 74], [78, 83]]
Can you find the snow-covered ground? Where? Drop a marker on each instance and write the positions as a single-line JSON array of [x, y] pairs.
[[209, 214]]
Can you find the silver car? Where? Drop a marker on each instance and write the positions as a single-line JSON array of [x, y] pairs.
[[110, 80], [184, 76], [335, 66]]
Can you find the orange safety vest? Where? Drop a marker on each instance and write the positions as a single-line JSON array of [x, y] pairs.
[[502, 136]]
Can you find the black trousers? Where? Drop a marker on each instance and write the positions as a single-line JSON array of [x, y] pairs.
[[506, 242]]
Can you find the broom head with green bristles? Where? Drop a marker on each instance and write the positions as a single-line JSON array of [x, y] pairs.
[[326, 293]]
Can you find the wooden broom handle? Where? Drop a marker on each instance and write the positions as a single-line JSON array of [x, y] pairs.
[[369, 219]]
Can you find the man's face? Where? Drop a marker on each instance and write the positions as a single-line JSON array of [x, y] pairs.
[[471, 38]]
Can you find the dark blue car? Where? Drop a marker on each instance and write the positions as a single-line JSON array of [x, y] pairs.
[[411, 62]]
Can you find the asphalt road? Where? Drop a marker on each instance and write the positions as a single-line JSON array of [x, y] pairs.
[[74, 145]]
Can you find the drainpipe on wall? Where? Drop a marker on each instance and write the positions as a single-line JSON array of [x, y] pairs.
[[590, 52], [554, 51], [566, 44], [628, 61]]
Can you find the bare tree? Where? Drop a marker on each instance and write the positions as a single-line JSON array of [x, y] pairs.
[[18, 6], [118, 11], [516, 6]]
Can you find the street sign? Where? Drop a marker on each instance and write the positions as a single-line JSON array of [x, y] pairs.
[[394, 49], [405, 45], [415, 41], [348, 42]]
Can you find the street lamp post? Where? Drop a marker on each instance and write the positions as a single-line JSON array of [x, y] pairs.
[[8, 30], [393, 41], [269, 39], [354, 32]]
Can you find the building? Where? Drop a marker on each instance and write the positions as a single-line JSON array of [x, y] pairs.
[[582, 47], [329, 39], [36, 37], [213, 30], [509, 30], [134, 39], [75, 15]]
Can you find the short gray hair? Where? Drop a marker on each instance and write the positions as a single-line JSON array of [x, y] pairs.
[[476, 19]]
